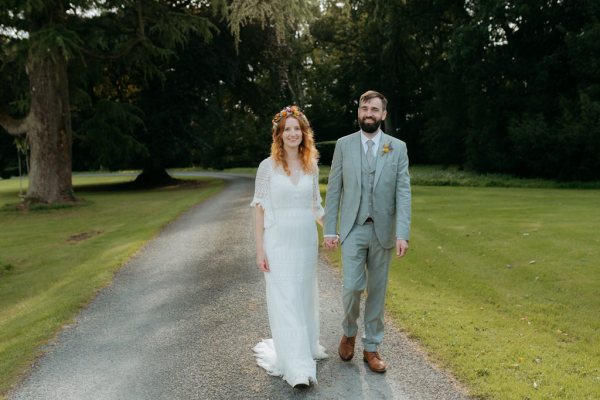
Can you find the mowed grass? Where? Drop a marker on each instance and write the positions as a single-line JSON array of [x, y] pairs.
[[52, 262], [502, 287]]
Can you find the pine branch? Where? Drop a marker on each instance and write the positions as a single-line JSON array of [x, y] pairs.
[[13, 126], [116, 55], [133, 43]]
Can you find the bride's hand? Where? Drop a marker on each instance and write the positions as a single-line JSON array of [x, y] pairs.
[[331, 243], [261, 261]]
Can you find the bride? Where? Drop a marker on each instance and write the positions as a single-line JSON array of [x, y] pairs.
[[287, 203]]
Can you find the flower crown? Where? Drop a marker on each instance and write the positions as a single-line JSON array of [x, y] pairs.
[[289, 111]]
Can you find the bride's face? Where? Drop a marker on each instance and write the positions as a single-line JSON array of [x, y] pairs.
[[292, 134]]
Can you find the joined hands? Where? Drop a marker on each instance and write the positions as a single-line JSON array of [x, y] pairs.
[[331, 243]]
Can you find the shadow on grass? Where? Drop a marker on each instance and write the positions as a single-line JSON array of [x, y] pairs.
[[6, 268], [142, 186], [132, 186], [25, 206]]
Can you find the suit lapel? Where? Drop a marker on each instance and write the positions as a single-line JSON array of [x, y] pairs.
[[356, 148], [381, 158]]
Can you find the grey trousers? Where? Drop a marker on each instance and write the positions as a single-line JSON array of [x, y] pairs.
[[365, 265]]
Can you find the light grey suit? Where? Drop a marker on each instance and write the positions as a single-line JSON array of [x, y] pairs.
[[367, 248]]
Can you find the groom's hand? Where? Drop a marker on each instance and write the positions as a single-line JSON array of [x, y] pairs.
[[331, 243], [401, 247]]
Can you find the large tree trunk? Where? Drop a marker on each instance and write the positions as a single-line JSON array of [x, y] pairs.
[[154, 176], [49, 131]]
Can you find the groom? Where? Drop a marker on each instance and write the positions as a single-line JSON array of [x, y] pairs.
[[369, 186]]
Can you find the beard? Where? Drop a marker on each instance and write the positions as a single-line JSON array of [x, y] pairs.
[[369, 127]]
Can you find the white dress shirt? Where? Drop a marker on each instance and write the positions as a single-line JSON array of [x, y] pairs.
[[375, 139]]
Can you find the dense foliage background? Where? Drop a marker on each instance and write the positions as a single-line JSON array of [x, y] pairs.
[[508, 86]]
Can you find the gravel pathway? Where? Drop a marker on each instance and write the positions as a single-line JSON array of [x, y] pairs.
[[180, 320]]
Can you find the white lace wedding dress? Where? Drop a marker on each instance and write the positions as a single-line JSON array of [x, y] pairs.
[[291, 205]]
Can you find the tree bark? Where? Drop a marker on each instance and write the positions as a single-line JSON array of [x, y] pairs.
[[388, 124], [49, 131]]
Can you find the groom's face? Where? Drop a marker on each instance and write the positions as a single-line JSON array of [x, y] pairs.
[[370, 115]]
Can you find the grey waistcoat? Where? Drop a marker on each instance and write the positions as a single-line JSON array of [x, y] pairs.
[[365, 209]]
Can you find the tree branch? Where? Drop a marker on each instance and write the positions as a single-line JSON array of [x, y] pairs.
[[116, 55], [13, 126], [141, 36], [140, 19]]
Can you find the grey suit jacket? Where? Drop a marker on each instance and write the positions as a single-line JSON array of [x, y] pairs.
[[391, 191]]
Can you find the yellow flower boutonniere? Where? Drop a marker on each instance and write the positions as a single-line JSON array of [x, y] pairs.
[[387, 147]]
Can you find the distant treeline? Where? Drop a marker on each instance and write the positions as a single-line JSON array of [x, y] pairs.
[[492, 87]]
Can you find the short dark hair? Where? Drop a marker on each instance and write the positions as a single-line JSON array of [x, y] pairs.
[[371, 94]]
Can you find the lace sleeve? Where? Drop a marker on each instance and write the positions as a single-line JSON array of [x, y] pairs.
[[262, 191], [318, 210]]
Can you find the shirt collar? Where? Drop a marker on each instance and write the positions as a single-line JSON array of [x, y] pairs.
[[375, 138]]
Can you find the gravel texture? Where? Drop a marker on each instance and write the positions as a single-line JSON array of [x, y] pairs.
[[180, 319]]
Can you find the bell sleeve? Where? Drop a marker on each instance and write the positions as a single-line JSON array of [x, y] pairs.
[[317, 208], [262, 191]]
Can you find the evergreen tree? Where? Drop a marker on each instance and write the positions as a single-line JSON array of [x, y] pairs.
[[51, 38]]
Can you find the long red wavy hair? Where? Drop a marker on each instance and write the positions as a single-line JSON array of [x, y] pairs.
[[307, 149]]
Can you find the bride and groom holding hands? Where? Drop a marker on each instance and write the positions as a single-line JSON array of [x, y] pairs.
[[369, 189]]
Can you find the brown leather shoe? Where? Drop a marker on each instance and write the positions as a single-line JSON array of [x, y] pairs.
[[346, 349], [374, 360]]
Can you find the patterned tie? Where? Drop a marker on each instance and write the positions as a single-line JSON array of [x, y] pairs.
[[370, 153]]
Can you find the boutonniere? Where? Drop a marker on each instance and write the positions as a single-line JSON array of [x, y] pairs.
[[387, 147]]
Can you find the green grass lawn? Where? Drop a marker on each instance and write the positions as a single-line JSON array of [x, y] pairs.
[[502, 287], [53, 262]]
